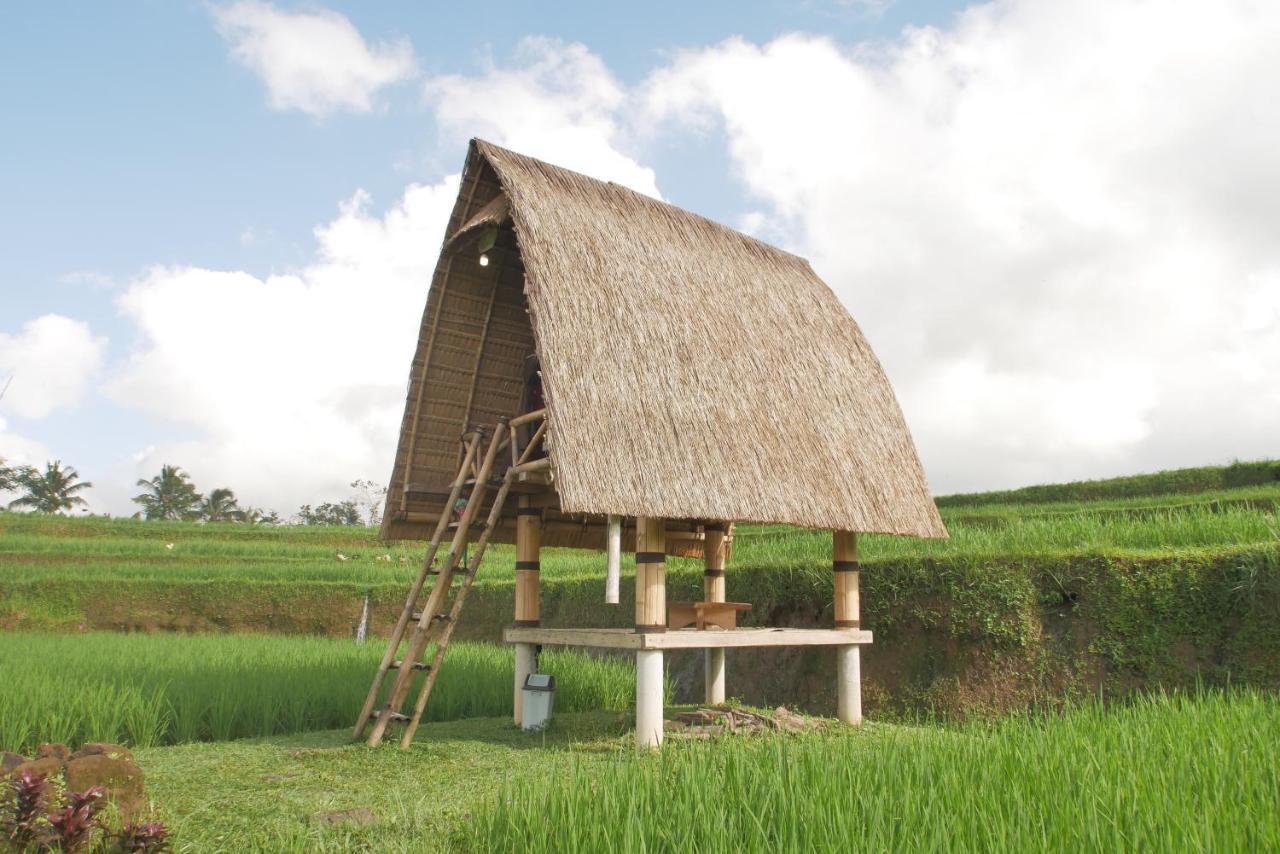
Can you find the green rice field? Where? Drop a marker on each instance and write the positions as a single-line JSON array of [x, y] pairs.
[[1180, 773], [34, 548], [148, 690], [1151, 585]]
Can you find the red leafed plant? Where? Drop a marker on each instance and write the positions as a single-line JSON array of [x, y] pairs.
[[24, 821], [145, 836], [74, 823], [26, 824]]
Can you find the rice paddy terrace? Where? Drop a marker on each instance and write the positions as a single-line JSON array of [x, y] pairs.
[[1158, 594]]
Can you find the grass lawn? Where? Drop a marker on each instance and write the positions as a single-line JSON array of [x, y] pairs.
[[1165, 773], [272, 794]]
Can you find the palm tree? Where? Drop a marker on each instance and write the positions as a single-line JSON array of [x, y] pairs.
[[220, 506], [170, 495], [50, 491], [9, 477]]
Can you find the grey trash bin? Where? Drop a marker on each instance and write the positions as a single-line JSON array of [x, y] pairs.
[[538, 697]]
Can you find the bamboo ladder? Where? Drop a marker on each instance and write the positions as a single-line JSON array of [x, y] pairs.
[[437, 619]]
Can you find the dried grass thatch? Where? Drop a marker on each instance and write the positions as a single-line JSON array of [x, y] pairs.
[[690, 371]]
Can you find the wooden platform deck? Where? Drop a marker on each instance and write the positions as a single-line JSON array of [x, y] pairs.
[[686, 638]]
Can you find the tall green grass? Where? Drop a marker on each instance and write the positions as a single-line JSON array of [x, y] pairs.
[[1164, 774], [148, 690]]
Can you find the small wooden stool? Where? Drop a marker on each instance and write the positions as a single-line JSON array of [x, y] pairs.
[[722, 615]]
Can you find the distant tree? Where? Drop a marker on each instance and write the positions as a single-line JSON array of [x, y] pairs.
[[341, 513], [369, 497], [169, 495], [258, 516], [220, 505], [51, 491], [11, 476]]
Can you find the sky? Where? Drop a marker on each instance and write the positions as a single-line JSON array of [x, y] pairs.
[[1058, 224]]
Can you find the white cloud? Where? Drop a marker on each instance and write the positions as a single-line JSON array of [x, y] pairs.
[[48, 365], [293, 385], [1054, 221], [314, 61], [558, 102], [18, 450]]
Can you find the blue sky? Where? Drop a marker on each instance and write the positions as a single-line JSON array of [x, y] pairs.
[[1030, 173]]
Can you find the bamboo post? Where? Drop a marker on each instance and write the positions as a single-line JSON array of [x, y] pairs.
[[651, 616], [844, 565], [713, 551], [528, 544]]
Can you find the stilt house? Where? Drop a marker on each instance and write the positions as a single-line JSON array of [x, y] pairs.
[[599, 369]]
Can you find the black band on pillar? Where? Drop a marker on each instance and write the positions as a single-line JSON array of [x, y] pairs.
[[651, 557], [529, 511], [848, 624], [713, 573], [527, 564], [526, 624], [844, 565], [659, 628]]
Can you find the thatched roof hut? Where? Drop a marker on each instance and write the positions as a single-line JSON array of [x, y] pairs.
[[690, 372]]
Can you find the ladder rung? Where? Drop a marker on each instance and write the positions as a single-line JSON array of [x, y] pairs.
[[417, 665], [492, 483], [458, 571], [442, 617], [417, 615], [475, 526], [398, 718]]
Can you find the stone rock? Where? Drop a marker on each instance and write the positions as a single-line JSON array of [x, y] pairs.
[[121, 778], [46, 766], [357, 815], [103, 748], [57, 750], [10, 761]]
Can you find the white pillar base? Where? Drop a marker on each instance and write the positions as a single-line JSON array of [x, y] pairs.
[[526, 663], [849, 684], [714, 676], [648, 698]]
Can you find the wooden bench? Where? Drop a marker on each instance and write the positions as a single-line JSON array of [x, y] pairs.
[[722, 615]]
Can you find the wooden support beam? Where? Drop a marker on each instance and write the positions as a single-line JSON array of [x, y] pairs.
[[713, 587], [528, 547], [651, 575], [686, 638], [844, 565], [651, 618], [528, 417]]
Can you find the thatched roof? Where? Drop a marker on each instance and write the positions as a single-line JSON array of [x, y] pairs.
[[690, 372]]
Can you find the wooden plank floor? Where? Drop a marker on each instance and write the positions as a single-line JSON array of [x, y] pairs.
[[686, 638]]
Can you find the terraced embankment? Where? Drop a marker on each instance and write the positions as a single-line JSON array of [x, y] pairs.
[[1025, 603]]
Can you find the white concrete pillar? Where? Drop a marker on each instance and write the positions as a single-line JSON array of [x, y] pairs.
[[648, 698], [526, 663], [714, 676], [849, 684]]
